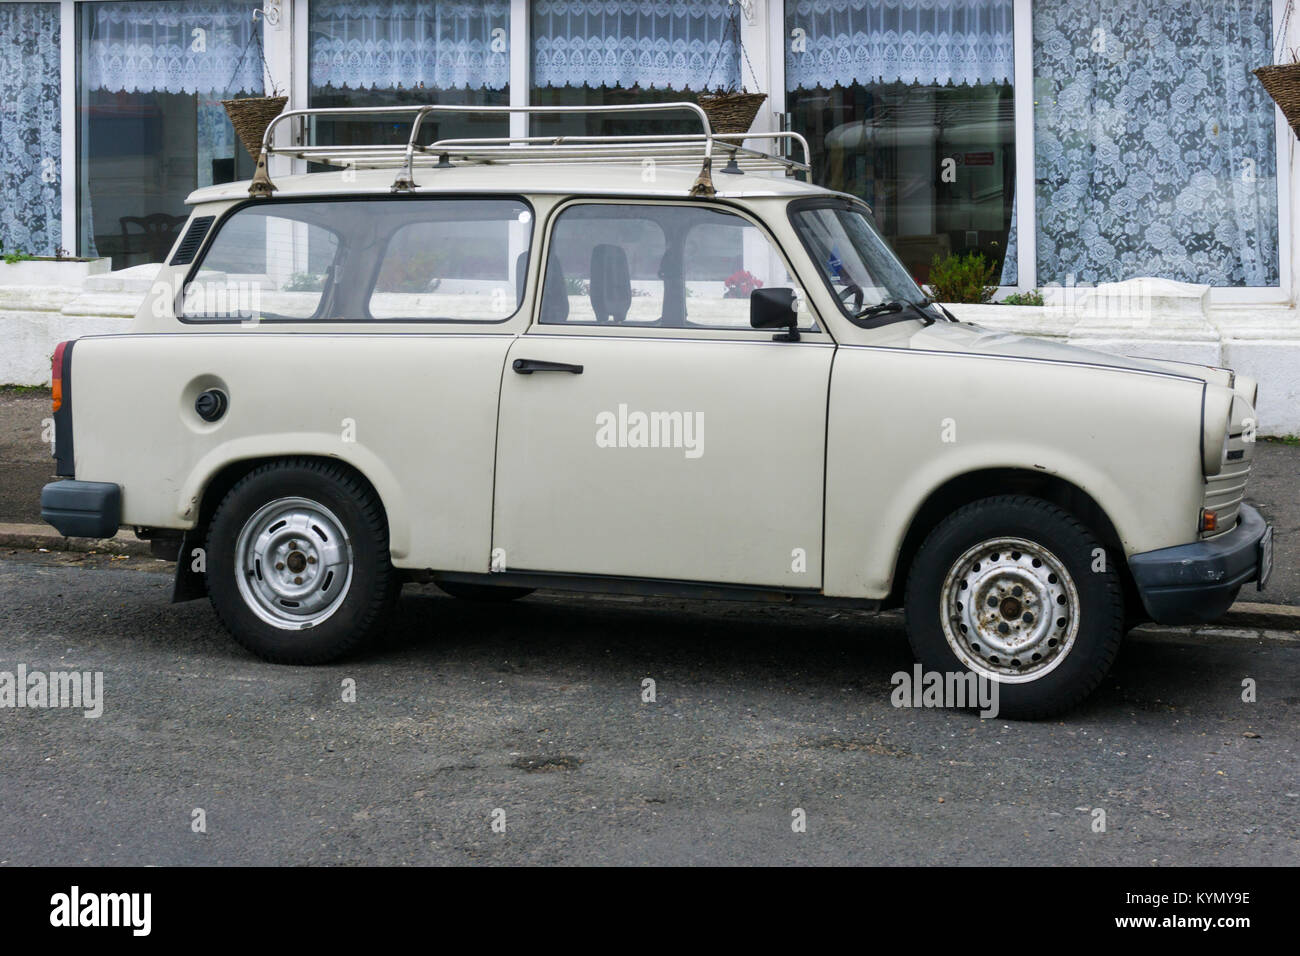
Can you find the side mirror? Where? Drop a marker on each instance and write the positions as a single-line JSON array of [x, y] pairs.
[[775, 309]]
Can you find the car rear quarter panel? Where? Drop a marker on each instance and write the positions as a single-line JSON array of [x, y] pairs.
[[414, 413], [904, 422]]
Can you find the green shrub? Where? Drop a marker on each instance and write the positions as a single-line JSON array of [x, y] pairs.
[[1032, 297], [966, 278]]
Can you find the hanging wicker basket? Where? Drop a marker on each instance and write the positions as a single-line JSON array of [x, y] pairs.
[[250, 116], [1283, 84], [731, 112]]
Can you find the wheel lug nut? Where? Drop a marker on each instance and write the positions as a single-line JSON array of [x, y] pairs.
[[279, 565], [297, 580], [1017, 591], [993, 601], [312, 559]]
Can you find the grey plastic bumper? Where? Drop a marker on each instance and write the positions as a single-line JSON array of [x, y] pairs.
[[1196, 583], [82, 509]]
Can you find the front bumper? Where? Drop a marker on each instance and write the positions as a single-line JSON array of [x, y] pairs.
[[82, 509], [1196, 583]]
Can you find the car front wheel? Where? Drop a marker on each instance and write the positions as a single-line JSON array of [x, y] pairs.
[[1019, 592]]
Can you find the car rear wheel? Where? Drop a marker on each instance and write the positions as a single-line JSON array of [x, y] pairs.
[[1019, 592], [297, 562]]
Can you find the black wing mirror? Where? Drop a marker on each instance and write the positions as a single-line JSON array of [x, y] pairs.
[[775, 309]]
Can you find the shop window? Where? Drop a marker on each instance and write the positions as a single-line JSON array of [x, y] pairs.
[[151, 128], [611, 52], [1155, 149], [405, 54], [909, 106]]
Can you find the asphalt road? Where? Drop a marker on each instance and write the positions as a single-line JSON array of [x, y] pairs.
[[535, 709]]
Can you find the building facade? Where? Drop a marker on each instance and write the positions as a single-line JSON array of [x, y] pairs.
[[1074, 143]]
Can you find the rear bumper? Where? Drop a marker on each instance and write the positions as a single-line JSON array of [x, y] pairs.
[[82, 509], [1196, 583]]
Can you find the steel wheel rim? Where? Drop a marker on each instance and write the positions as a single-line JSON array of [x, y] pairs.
[[1010, 610], [293, 563]]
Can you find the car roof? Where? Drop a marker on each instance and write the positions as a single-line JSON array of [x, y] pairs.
[[584, 179]]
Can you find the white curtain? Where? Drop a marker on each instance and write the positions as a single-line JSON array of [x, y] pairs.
[[30, 146], [1154, 146], [188, 47], [655, 45], [433, 44], [926, 42]]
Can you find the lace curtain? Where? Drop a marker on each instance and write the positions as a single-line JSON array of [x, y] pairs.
[[30, 144], [623, 43], [151, 46], [434, 44], [927, 42], [1154, 144]]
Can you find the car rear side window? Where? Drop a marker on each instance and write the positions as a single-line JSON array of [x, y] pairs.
[[401, 259], [265, 262]]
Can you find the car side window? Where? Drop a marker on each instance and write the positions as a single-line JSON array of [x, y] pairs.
[[660, 266], [264, 263], [349, 260], [463, 259]]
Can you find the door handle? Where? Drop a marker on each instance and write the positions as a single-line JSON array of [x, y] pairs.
[[528, 366]]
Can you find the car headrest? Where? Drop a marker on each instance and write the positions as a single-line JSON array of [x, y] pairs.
[[555, 297], [611, 283]]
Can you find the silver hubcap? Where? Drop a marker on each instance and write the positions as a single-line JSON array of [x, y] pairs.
[[293, 562], [1010, 610]]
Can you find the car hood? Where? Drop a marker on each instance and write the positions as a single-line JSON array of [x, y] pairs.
[[977, 340]]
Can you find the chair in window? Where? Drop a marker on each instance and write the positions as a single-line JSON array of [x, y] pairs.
[[151, 236]]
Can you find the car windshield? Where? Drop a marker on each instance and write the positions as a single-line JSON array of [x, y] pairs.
[[863, 273]]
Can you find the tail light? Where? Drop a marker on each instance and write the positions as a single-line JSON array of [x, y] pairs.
[[56, 375], [61, 393]]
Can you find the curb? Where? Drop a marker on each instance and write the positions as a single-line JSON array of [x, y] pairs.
[[35, 537], [38, 537]]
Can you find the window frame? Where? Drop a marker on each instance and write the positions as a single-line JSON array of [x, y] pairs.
[[637, 329], [215, 230]]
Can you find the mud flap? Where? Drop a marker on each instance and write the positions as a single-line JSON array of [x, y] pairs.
[[190, 584]]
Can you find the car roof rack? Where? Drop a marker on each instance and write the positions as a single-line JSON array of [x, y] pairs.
[[673, 149]]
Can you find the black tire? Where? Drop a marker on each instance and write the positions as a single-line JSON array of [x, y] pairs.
[[483, 593], [1095, 607], [368, 594]]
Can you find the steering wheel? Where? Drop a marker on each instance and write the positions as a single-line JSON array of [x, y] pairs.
[[855, 290]]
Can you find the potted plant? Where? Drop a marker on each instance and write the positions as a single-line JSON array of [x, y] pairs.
[[1282, 81]]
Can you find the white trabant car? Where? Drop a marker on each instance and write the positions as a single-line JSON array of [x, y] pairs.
[[617, 364]]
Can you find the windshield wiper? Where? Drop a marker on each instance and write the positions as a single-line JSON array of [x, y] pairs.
[[894, 306], [880, 309]]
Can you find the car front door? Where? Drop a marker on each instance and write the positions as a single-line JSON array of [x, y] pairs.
[[645, 429]]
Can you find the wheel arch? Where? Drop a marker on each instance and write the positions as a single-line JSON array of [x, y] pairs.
[[219, 483], [972, 486]]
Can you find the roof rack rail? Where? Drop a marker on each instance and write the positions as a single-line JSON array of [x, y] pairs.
[[674, 148]]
